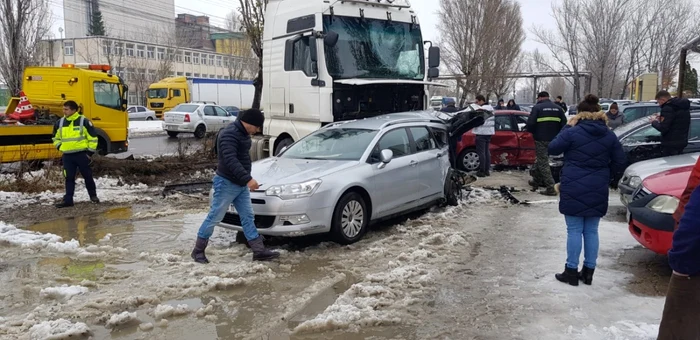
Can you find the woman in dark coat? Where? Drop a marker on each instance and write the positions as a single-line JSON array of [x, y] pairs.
[[512, 105], [592, 154], [615, 118]]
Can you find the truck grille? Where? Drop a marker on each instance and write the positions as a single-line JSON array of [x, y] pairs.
[[156, 105], [261, 221]]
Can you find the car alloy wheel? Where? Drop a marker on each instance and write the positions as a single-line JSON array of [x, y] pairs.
[[470, 160], [352, 219]]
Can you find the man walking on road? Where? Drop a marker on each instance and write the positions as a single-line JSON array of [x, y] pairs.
[[545, 122], [232, 184], [75, 136], [673, 123]]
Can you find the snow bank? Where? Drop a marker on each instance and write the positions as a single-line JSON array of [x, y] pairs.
[[145, 128], [35, 240], [165, 311], [62, 293], [59, 330], [121, 319]]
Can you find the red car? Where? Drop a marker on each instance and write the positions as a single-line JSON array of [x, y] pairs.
[[652, 206], [510, 146]]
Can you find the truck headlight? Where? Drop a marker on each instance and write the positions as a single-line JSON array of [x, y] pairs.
[[664, 204], [292, 191], [635, 181]]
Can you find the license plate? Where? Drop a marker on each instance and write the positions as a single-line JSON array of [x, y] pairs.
[[171, 127]]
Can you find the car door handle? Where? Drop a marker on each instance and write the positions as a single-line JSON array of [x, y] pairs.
[[413, 163]]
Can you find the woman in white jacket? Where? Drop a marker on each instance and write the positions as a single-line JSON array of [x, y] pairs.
[[483, 138]]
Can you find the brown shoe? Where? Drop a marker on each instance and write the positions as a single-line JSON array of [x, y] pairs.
[[549, 192]]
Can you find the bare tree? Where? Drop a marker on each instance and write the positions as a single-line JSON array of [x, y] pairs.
[[640, 20], [23, 24], [253, 22], [482, 40], [242, 65]]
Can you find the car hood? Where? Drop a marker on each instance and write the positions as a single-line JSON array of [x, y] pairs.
[[670, 182], [645, 169], [277, 171]]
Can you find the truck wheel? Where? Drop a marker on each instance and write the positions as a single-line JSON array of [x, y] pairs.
[[101, 146], [200, 132], [172, 134], [282, 144], [350, 219]]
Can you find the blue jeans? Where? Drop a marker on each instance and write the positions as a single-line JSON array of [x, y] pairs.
[[578, 228], [225, 193]]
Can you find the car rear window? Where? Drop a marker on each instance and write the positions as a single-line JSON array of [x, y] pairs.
[[186, 108]]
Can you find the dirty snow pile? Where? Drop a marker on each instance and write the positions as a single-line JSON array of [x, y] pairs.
[[62, 293], [58, 330], [108, 190], [145, 128]]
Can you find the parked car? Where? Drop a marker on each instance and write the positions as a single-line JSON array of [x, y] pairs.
[[137, 112], [635, 111], [196, 118], [511, 145], [346, 175], [650, 212], [573, 110], [638, 172], [641, 142], [232, 110]]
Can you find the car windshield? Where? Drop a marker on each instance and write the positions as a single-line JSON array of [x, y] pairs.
[[157, 93], [373, 48], [186, 108], [332, 144]]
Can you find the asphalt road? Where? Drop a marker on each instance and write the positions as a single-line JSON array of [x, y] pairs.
[[160, 145]]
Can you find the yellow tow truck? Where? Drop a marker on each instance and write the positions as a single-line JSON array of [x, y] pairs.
[[102, 98]]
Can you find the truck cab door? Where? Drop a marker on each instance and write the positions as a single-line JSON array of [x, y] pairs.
[[104, 108], [303, 99]]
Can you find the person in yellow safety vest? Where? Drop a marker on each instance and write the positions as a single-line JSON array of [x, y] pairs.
[[75, 136]]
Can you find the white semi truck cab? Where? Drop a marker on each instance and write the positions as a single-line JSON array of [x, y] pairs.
[[331, 60]]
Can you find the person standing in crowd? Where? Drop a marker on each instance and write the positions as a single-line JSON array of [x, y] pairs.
[[75, 136], [545, 122], [560, 101], [501, 105], [615, 119], [483, 138], [232, 184], [681, 315], [451, 106], [673, 123], [591, 154], [512, 105]]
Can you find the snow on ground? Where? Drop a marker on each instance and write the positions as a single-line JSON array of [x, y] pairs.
[[145, 128], [60, 329], [62, 293], [108, 190]]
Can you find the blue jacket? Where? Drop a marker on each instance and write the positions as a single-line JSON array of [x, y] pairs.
[[592, 153], [684, 257], [233, 152]]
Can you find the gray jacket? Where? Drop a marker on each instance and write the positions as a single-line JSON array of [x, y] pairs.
[[614, 121]]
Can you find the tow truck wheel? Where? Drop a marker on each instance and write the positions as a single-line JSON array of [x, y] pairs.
[[282, 144]]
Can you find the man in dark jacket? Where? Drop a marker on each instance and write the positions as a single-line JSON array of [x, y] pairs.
[[673, 123], [681, 316], [232, 184], [545, 122], [560, 101]]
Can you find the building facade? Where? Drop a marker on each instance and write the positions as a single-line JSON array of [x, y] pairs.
[[141, 64], [123, 19]]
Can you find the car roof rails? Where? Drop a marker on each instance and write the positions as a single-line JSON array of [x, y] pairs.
[[410, 120]]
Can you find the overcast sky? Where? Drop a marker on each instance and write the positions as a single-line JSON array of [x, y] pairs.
[[534, 12]]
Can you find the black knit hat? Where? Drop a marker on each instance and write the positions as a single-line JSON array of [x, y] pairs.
[[253, 117]]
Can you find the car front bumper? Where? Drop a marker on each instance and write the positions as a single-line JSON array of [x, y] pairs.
[[287, 218], [658, 241], [178, 127], [652, 229]]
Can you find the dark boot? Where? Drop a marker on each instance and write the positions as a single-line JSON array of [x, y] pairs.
[[260, 253], [198, 252], [586, 275], [63, 205], [570, 276], [94, 199]]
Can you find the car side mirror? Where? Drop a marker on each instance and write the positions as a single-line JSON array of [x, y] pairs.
[[385, 157]]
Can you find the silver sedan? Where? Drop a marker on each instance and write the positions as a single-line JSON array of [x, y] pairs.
[[346, 175]]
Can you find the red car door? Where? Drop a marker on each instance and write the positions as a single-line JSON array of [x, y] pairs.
[[526, 142], [504, 144]]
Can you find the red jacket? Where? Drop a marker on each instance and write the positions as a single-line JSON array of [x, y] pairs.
[[693, 182]]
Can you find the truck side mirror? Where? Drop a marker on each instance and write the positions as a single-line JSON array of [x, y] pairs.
[[330, 39], [433, 57], [433, 73]]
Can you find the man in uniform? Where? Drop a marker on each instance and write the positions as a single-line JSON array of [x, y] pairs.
[[545, 122], [76, 138]]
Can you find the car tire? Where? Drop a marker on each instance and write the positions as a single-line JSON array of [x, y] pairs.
[[468, 160], [452, 191], [353, 204], [200, 132], [282, 144], [149, 118], [173, 134]]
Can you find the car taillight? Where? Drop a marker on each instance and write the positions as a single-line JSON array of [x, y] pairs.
[[187, 118]]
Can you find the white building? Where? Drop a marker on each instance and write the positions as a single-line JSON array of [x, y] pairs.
[[141, 64], [124, 19]]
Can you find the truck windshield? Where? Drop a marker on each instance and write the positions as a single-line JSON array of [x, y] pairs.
[[332, 144], [373, 48], [158, 93]]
